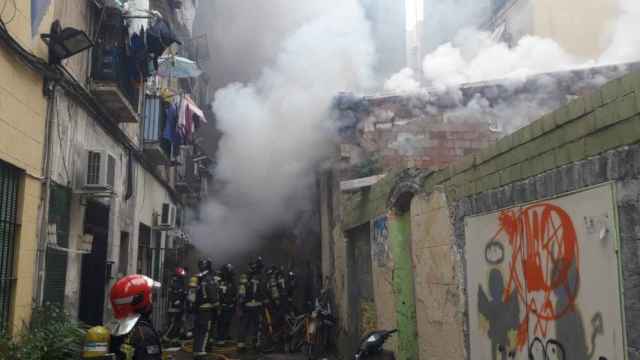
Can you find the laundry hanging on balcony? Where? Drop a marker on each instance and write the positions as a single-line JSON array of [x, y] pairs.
[[183, 118]]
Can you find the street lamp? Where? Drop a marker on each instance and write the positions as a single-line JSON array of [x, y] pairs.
[[64, 43]]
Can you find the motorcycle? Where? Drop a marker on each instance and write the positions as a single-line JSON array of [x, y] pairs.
[[372, 346]]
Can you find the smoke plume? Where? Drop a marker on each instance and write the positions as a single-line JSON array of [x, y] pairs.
[[275, 128], [474, 56]]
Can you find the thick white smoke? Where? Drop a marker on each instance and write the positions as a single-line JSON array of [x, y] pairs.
[[275, 129], [474, 56]]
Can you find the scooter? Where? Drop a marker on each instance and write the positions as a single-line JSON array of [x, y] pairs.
[[371, 347]]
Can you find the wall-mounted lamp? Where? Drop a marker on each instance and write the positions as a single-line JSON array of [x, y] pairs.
[[65, 43]]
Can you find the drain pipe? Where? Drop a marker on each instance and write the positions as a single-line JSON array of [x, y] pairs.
[[41, 251]]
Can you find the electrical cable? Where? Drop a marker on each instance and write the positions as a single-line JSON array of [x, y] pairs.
[[62, 152]]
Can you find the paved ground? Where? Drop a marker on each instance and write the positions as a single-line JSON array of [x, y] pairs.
[[185, 356]]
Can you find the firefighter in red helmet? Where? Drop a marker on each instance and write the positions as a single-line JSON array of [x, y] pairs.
[[134, 337]]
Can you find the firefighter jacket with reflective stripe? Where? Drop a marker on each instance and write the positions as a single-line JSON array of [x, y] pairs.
[[206, 292], [142, 343]]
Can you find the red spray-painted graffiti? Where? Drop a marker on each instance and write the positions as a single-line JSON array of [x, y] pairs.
[[543, 265]]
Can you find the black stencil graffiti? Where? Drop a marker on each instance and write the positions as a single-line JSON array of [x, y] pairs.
[[552, 350], [503, 315], [494, 252]]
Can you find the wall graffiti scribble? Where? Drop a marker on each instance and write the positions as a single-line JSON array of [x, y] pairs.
[[541, 278], [544, 250], [380, 243]]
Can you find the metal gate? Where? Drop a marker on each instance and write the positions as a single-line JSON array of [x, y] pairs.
[[9, 187]]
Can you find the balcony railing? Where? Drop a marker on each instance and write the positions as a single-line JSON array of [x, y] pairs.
[[156, 147], [111, 83]]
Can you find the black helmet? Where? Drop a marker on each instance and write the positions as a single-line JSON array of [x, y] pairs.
[[272, 270], [205, 264], [227, 272], [257, 265]]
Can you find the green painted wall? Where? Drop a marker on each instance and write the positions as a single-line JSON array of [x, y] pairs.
[[403, 286]]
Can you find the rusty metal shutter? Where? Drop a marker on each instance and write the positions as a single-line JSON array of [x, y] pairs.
[[9, 188]]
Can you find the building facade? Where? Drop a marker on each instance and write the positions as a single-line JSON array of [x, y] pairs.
[[568, 23], [111, 173]]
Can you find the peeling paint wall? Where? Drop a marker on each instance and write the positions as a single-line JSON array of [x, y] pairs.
[[439, 302], [400, 237], [382, 268]]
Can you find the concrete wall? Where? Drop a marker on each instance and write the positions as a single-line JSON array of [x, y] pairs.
[[592, 141], [438, 275], [22, 127]]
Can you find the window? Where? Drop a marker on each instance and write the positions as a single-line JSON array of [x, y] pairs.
[[9, 187], [145, 255]]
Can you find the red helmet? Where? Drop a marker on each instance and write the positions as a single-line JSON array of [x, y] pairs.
[[181, 272], [131, 296]]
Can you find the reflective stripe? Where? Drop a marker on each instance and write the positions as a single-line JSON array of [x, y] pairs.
[[123, 301], [96, 347], [253, 303]]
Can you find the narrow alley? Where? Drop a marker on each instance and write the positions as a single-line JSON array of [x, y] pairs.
[[319, 179]]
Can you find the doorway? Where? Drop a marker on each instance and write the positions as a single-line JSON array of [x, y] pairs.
[[360, 284], [94, 265]]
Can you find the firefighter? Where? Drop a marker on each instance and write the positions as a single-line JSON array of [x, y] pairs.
[[177, 306], [291, 285], [206, 304], [251, 299], [190, 307], [133, 334], [227, 296], [275, 290]]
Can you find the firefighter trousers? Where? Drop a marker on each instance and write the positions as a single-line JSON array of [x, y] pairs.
[[202, 332], [224, 323]]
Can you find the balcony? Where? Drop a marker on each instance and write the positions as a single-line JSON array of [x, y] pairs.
[[110, 83], [185, 170], [156, 148]]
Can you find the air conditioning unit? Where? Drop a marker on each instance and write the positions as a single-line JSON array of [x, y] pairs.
[[167, 216], [101, 171]]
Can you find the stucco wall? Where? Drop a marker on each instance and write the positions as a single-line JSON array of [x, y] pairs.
[[22, 113], [437, 276], [582, 27]]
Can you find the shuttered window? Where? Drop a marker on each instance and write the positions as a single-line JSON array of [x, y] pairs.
[[9, 188], [56, 263]]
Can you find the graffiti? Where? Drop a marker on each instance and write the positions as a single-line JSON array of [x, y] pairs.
[[544, 250], [494, 253], [502, 314], [536, 298], [380, 243]]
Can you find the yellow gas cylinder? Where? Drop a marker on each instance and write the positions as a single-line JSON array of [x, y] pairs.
[[193, 282], [96, 343]]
